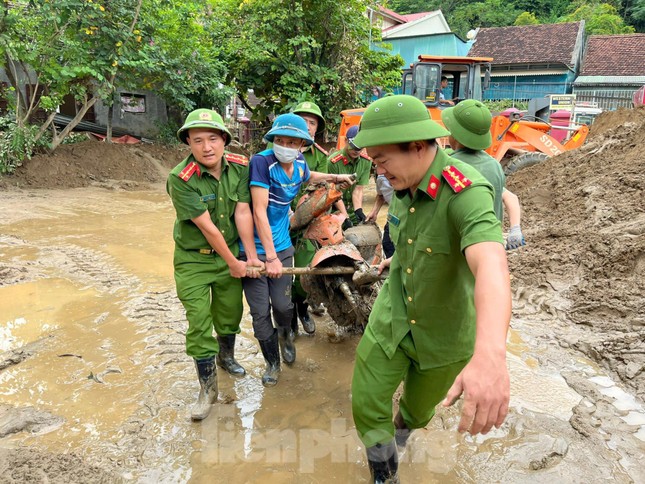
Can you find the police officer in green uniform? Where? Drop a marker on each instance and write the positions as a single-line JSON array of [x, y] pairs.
[[210, 193], [346, 161], [315, 155], [316, 158], [469, 125], [439, 324]]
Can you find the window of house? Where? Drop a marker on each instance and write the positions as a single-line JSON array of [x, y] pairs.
[[133, 103]]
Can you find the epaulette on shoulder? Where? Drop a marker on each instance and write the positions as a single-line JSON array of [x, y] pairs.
[[337, 158], [365, 157], [456, 179], [190, 169], [321, 149], [235, 158]]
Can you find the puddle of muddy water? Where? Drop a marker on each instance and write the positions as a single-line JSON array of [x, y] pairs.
[[94, 293]]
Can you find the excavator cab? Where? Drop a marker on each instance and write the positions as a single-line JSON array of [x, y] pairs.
[[517, 142], [464, 75]]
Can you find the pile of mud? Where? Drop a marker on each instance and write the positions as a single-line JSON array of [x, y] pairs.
[[584, 221], [97, 163], [30, 465]]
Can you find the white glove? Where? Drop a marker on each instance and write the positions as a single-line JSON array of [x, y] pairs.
[[515, 238]]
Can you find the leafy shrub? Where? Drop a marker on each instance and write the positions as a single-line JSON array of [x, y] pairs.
[[73, 137], [167, 133], [504, 104], [17, 143]]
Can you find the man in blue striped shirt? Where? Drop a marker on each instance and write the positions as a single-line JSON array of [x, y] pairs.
[[276, 175]]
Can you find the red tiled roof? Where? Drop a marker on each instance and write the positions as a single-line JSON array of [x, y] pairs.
[[552, 43], [392, 14], [614, 55]]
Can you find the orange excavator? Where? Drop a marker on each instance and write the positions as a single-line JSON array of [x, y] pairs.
[[517, 141]]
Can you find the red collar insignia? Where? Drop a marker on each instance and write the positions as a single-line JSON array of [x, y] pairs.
[[433, 186]]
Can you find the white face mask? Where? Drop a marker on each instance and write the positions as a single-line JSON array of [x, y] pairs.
[[285, 155]]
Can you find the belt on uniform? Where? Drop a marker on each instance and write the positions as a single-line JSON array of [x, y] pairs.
[[204, 251]]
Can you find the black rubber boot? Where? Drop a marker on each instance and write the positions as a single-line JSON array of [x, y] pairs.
[[207, 375], [287, 345], [271, 355], [383, 460], [308, 324], [294, 321], [226, 356], [402, 432]]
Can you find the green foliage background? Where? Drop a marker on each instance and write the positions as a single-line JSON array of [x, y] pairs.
[[601, 16], [200, 53]]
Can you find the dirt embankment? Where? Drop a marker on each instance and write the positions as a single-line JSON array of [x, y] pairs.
[[584, 220], [97, 163]]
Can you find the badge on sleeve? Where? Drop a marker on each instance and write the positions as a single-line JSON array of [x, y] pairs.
[[456, 179], [235, 158], [338, 158], [189, 171]]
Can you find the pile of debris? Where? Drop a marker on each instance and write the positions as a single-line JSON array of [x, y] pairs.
[[584, 221]]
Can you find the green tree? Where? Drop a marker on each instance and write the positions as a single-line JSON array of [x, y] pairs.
[[177, 58], [634, 13], [412, 6], [600, 18], [66, 47], [84, 48], [289, 50], [489, 13], [526, 18]]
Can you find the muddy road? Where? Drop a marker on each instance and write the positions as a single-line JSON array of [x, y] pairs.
[[95, 385]]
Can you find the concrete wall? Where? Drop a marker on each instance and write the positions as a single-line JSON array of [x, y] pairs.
[[137, 124]]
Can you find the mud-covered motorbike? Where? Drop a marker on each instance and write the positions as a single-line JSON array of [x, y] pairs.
[[343, 273]]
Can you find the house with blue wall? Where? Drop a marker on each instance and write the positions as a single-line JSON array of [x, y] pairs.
[[415, 34], [531, 61]]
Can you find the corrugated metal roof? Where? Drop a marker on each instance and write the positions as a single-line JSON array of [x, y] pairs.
[[543, 72], [580, 80]]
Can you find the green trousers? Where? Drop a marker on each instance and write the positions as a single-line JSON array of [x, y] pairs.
[[212, 299], [305, 251], [376, 378]]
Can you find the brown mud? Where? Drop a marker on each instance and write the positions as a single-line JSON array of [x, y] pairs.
[[95, 385], [584, 221]]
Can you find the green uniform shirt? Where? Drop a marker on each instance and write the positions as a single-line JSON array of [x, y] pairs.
[[194, 190], [316, 158], [430, 290], [341, 164], [490, 169]]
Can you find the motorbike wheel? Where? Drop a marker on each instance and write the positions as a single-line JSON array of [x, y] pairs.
[[349, 312]]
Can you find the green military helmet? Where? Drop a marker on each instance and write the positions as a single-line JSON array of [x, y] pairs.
[[203, 118], [469, 123], [307, 107], [397, 119]]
